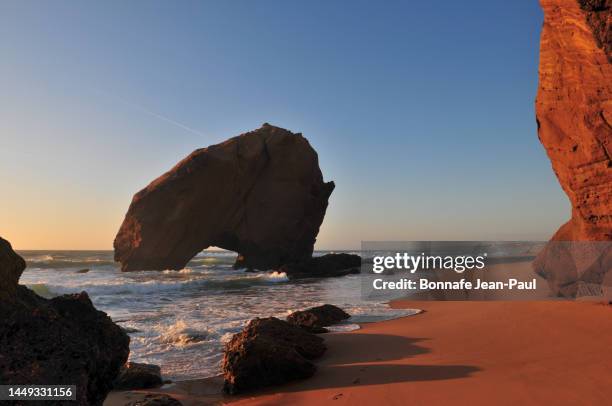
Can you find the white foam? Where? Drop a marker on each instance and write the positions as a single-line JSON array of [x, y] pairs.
[[274, 276], [182, 271], [39, 258], [181, 335], [340, 328], [225, 338], [121, 287]]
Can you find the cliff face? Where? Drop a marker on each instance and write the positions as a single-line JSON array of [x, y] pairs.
[[574, 112], [574, 116], [260, 194], [64, 340]]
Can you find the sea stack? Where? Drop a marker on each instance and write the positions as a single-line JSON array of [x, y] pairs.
[[61, 341], [574, 118], [260, 194]]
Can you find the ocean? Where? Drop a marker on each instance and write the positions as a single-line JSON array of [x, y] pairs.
[[180, 320]]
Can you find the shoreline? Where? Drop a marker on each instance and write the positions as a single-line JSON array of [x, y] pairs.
[[208, 391], [451, 353]]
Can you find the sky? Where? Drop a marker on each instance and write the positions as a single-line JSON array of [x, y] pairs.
[[421, 112]]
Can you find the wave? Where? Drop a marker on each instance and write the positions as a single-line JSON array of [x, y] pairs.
[[42, 289], [103, 289], [343, 327], [273, 277], [39, 258], [179, 334], [240, 279], [183, 271], [212, 261], [383, 314], [70, 264], [147, 287]]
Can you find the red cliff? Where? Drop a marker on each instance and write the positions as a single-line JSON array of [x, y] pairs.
[[574, 116]]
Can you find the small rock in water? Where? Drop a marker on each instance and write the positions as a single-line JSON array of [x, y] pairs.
[[85, 270], [325, 266], [138, 376], [155, 400], [129, 330], [269, 352], [317, 318]]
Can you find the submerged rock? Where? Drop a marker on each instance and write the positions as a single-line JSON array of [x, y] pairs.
[[134, 375], [269, 352], [64, 340], [260, 194], [574, 117], [317, 318], [329, 265], [129, 330]]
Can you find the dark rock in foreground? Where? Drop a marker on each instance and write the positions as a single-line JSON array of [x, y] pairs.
[[260, 194], [269, 352], [134, 375], [317, 318], [329, 265], [155, 400], [64, 340]]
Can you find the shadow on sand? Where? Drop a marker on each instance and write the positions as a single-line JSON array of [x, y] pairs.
[[371, 359], [352, 360]]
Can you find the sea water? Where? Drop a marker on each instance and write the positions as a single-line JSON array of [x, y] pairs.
[[181, 320]]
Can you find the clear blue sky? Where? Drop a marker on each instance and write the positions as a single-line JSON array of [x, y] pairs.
[[422, 112]]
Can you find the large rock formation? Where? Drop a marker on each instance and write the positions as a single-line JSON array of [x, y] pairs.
[[64, 340], [269, 352], [260, 194], [574, 116]]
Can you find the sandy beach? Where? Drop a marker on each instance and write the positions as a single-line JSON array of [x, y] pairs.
[[458, 353], [306, 203]]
